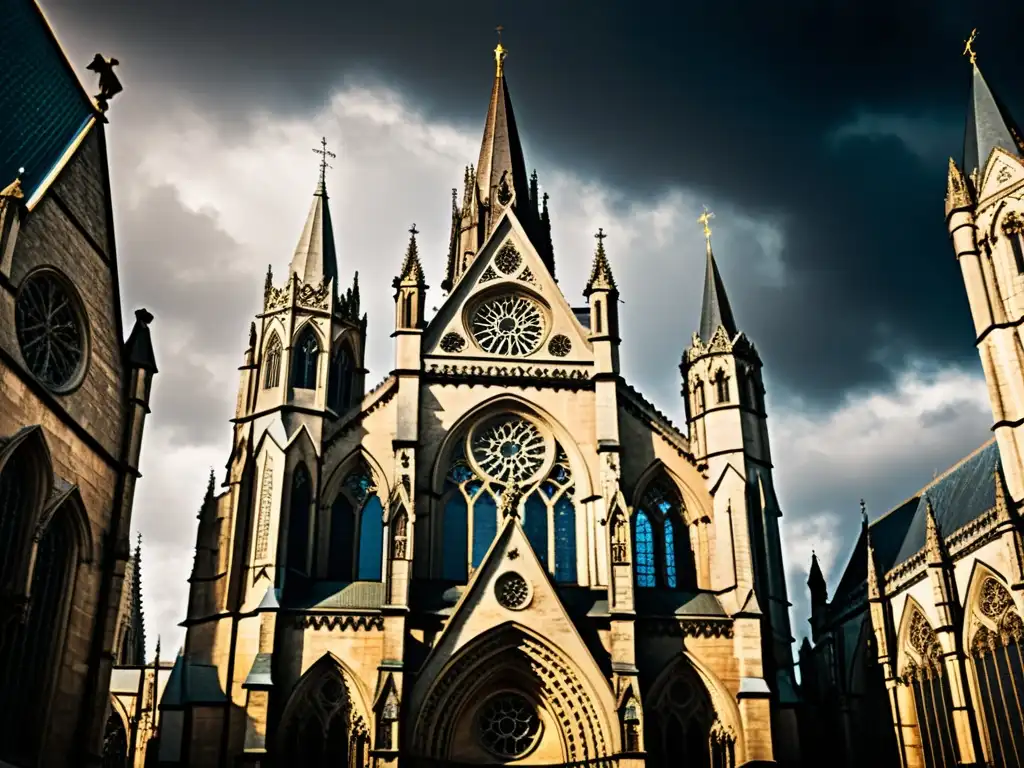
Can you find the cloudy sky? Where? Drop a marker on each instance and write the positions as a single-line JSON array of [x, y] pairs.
[[818, 136]]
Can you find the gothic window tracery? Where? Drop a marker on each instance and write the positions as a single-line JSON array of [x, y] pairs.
[[508, 725], [50, 327], [305, 357], [501, 451], [721, 387], [511, 324], [663, 556], [115, 742], [1013, 228], [342, 385], [925, 674], [299, 520], [323, 731], [357, 507], [272, 362], [31, 653], [679, 722], [996, 656]]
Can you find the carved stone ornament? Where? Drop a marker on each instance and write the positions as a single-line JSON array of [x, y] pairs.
[[453, 342], [504, 190], [315, 296], [1013, 224], [508, 259], [527, 276], [508, 371], [512, 591], [336, 621], [560, 345], [489, 275]]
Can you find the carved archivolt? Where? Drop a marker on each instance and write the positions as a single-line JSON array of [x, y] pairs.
[[923, 656], [546, 672], [998, 622]]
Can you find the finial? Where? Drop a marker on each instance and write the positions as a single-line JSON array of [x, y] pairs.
[[499, 51], [413, 231], [704, 219], [324, 154], [600, 239], [863, 511], [14, 188], [969, 48], [109, 85]]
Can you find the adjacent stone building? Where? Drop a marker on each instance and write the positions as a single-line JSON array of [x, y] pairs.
[[919, 657], [502, 553], [73, 401]]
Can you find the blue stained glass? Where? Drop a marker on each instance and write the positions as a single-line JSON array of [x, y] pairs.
[[485, 526], [644, 544], [339, 556], [565, 541], [560, 474], [670, 554], [472, 488], [371, 541], [535, 523], [359, 484], [549, 488], [455, 532], [460, 473]]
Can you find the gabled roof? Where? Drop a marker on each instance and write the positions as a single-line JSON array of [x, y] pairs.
[[44, 112]]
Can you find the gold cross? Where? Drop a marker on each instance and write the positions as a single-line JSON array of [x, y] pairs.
[[324, 154], [499, 52], [969, 46], [704, 219]]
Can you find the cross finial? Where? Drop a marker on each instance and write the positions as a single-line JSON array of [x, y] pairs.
[[704, 219], [324, 154], [413, 231], [863, 511], [600, 237], [499, 51], [969, 47]]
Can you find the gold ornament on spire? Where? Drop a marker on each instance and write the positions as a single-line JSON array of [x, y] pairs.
[[499, 52], [705, 219], [969, 47]]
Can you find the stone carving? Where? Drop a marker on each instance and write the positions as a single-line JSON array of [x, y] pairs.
[[510, 324], [489, 275], [508, 259], [453, 342], [994, 599], [266, 500], [400, 538], [517, 372], [339, 621], [512, 591], [527, 276], [620, 539], [1013, 224], [315, 296], [509, 448], [560, 345], [507, 725], [706, 628]]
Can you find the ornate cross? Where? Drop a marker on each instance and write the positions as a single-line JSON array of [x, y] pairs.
[[324, 154], [969, 46], [704, 218], [413, 231], [600, 237]]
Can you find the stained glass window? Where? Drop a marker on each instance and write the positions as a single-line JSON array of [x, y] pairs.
[[356, 508], [670, 554], [50, 330], [485, 525], [672, 559], [272, 362], [535, 524], [339, 556], [371, 540], [455, 538], [644, 537], [342, 375], [305, 355], [298, 526], [565, 541]]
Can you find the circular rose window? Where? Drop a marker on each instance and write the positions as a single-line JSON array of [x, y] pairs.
[[508, 325], [509, 448], [50, 330], [508, 725], [512, 591]]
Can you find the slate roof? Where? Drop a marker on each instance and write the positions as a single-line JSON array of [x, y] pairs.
[[961, 494], [316, 258], [715, 311], [989, 125], [334, 595], [191, 683], [43, 109]]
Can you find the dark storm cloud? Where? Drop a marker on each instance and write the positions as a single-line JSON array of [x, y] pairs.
[[742, 101]]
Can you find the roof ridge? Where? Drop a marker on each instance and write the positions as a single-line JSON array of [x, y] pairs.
[[63, 53], [935, 481]]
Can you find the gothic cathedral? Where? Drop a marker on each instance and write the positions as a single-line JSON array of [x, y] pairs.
[[500, 554]]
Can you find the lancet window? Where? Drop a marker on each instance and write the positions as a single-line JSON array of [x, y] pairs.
[[495, 454], [342, 387], [322, 730], [1013, 228], [662, 555], [996, 655], [305, 357], [115, 742], [681, 727], [30, 656], [925, 673], [721, 387], [357, 529], [299, 520], [272, 362]]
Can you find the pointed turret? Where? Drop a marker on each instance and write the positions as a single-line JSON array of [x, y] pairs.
[[410, 288], [989, 124], [816, 581], [933, 537], [603, 296], [874, 584], [315, 260], [138, 622], [715, 310], [601, 278]]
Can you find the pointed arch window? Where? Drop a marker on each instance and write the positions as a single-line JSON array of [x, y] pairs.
[[272, 362], [342, 380], [322, 728], [31, 655], [299, 520], [663, 553], [471, 504], [115, 742], [721, 387], [305, 357], [926, 676], [356, 508], [1013, 228], [698, 395]]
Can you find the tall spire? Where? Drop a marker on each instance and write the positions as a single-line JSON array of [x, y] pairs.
[[501, 173], [715, 310], [315, 260], [989, 124], [601, 278], [138, 622]]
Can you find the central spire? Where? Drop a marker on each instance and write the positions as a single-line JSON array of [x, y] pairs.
[[989, 124], [716, 310], [315, 260]]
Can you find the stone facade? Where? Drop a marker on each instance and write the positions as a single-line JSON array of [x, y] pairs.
[[918, 657], [73, 400], [503, 552]]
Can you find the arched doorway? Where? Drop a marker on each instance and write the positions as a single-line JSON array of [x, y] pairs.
[[682, 727]]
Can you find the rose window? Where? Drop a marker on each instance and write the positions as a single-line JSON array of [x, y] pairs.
[[509, 449], [512, 591], [508, 725], [49, 330], [509, 325]]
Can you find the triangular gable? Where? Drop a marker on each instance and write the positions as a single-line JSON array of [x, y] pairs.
[[1002, 172], [508, 264], [510, 586]]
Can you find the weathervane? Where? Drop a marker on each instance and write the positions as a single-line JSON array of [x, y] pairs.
[[324, 154], [969, 47], [704, 219], [499, 52]]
